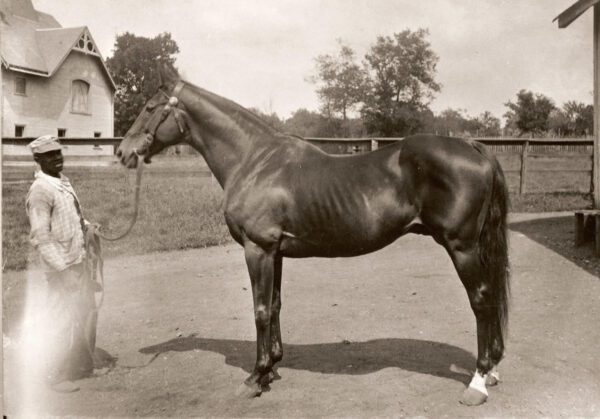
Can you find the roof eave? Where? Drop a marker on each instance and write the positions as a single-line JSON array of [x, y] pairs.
[[573, 12], [25, 70]]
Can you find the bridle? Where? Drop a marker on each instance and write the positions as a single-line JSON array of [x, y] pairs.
[[171, 106]]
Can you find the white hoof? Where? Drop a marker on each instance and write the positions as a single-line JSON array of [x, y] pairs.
[[473, 397], [476, 393]]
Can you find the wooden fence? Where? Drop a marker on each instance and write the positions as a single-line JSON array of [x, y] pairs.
[[529, 164]]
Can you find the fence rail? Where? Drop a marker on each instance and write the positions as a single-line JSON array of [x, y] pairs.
[[114, 141], [529, 164]]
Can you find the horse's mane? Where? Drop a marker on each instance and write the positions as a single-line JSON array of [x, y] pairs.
[[239, 111]]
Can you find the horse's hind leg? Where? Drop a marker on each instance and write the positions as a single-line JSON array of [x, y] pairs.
[[470, 270], [261, 267]]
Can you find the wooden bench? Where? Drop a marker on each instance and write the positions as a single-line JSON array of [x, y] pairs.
[[587, 228]]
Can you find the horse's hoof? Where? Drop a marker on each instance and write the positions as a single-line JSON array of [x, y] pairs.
[[248, 391], [491, 380], [270, 377], [473, 397]]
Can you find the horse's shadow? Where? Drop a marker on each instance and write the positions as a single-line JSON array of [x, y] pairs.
[[352, 358]]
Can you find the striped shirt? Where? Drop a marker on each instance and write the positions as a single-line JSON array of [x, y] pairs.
[[56, 233]]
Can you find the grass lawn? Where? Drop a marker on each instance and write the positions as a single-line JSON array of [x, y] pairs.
[[181, 207]]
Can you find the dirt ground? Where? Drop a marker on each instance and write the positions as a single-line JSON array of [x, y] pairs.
[[387, 334]]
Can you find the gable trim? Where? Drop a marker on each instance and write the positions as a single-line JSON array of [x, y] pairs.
[[72, 48]]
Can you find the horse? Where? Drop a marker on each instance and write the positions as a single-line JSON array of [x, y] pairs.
[[284, 197]]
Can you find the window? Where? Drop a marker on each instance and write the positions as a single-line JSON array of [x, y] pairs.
[[97, 134], [62, 132], [20, 85], [19, 130], [79, 96]]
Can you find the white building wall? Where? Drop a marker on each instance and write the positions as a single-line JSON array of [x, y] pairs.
[[47, 105]]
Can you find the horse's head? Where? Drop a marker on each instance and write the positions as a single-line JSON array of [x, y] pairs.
[[160, 124]]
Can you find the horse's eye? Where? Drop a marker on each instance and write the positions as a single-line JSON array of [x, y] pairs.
[[150, 107]]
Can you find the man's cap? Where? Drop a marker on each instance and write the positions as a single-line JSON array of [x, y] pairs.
[[44, 144]]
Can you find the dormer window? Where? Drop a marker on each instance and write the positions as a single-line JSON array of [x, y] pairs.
[[79, 96]]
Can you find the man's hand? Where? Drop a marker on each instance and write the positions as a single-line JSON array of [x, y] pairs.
[[93, 226]]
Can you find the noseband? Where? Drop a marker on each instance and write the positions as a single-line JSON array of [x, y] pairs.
[[170, 107]]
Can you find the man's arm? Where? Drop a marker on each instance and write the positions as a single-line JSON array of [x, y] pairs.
[[39, 210]]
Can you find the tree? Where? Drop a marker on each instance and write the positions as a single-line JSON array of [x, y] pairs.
[[401, 83], [451, 122], [581, 118], [133, 67], [307, 124], [486, 125], [340, 81], [530, 114], [272, 119]]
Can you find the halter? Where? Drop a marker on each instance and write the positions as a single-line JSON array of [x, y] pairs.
[[170, 106]]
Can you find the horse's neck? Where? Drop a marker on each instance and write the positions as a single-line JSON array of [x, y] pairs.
[[224, 132]]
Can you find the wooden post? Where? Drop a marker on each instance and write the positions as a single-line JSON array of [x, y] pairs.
[[596, 167], [523, 179], [597, 232], [374, 144]]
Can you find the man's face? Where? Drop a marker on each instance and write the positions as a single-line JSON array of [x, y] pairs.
[[50, 162]]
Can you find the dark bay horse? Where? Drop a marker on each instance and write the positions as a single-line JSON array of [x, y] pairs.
[[284, 197]]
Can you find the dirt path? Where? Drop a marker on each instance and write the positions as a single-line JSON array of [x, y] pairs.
[[387, 334]]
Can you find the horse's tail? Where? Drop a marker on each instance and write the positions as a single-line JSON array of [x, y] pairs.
[[493, 243]]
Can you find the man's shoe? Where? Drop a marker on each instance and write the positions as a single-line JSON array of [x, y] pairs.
[[64, 387]]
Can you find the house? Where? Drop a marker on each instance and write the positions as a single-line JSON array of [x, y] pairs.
[[54, 79]]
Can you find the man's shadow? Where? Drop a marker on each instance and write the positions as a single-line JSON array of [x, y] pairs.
[[351, 358]]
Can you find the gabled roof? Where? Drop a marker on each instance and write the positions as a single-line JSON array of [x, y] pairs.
[[573, 12], [39, 45]]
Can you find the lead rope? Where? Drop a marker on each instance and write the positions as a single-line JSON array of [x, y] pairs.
[[94, 263], [136, 206]]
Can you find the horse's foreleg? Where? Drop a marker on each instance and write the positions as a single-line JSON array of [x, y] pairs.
[[276, 345], [261, 267], [468, 266]]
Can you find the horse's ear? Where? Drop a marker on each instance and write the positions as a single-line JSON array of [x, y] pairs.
[[167, 76]]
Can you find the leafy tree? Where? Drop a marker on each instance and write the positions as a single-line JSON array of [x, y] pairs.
[[340, 82], [307, 124], [581, 118], [401, 83], [530, 114], [272, 119], [559, 123], [486, 125], [133, 66], [451, 122], [574, 119]]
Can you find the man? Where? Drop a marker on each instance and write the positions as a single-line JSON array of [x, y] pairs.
[[57, 232]]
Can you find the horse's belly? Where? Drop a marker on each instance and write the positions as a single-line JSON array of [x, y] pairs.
[[342, 242]]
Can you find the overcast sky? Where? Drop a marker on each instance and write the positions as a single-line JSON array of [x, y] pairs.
[[260, 52]]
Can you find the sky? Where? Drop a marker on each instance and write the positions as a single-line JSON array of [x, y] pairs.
[[260, 53]]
